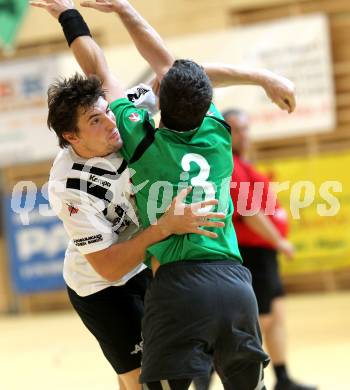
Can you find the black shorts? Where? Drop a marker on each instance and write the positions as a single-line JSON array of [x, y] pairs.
[[197, 311], [113, 316], [263, 265]]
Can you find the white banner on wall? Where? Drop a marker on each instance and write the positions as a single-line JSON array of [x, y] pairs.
[[24, 135], [297, 48]]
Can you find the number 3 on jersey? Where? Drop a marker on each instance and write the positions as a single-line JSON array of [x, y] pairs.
[[201, 179]]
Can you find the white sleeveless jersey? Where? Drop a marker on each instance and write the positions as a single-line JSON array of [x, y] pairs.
[[94, 201]]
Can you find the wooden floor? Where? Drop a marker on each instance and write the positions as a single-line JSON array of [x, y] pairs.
[[55, 352]]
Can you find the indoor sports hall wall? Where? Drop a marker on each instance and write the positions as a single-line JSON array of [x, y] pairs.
[[323, 243], [324, 154], [316, 195]]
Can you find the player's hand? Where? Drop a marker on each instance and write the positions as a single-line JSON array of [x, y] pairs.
[[286, 247], [182, 218], [105, 5], [280, 90], [53, 7]]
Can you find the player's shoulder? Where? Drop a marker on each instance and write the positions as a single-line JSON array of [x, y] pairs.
[[139, 106], [214, 112], [67, 164], [214, 118], [61, 165], [59, 173], [215, 127]]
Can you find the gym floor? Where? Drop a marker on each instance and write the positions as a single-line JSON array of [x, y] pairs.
[[54, 351]]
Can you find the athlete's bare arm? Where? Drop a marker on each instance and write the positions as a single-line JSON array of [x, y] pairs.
[[146, 39], [151, 46], [278, 88], [119, 259], [153, 49], [86, 51], [262, 225]]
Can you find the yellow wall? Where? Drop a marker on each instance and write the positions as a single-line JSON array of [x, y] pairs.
[[322, 242]]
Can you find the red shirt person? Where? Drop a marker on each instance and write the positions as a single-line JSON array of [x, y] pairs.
[[251, 192], [261, 226]]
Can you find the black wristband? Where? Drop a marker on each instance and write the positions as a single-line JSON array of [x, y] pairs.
[[73, 25]]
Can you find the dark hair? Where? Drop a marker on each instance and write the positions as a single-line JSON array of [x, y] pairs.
[[65, 97], [232, 111], [185, 96]]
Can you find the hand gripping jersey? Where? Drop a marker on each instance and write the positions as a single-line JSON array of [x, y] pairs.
[[166, 161], [93, 200]]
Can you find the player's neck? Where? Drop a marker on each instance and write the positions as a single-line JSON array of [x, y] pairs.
[[87, 154]]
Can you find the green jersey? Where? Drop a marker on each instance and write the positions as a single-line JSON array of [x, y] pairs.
[[163, 162]]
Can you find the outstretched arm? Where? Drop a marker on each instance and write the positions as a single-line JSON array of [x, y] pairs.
[[148, 42], [279, 89], [262, 225], [152, 48], [92, 61], [86, 51]]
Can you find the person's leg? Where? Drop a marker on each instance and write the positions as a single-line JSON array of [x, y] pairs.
[[273, 327], [121, 383], [267, 286], [113, 316], [275, 337], [269, 292], [238, 356], [130, 380], [179, 324]]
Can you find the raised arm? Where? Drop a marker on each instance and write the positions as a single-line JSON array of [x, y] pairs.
[[151, 46], [278, 88], [148, 42], [86, 51]]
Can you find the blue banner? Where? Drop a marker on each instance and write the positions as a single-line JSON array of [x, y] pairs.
[[36, 242]]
